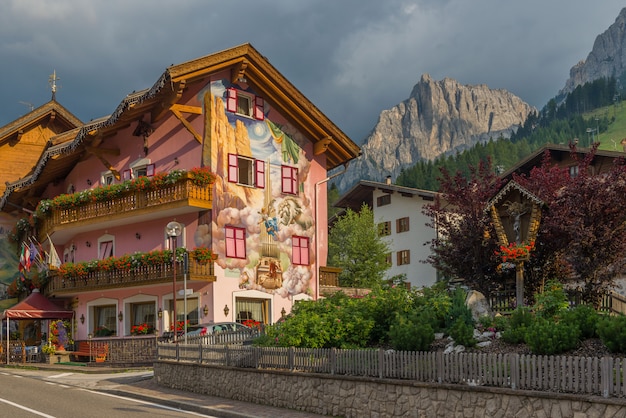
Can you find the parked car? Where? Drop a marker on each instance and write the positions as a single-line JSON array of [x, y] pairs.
[[215, 328]]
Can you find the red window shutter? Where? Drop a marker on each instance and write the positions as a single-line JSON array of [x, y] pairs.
[[233, 170], [240, 242], [260, 174], [150, 170], [258, 108], [300, 250], [289, 179], [231, 100]]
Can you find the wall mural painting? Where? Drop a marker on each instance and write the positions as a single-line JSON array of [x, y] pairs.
[[8, 251], [270, 217]]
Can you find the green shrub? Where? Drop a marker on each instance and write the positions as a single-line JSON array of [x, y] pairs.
[[462, 333], [459, 310], [552, 301], [514, 331], [411, 333], [612, 332], [548, 337], [585, 317]]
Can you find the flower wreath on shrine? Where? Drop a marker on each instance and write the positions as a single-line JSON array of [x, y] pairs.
[[516, 251]]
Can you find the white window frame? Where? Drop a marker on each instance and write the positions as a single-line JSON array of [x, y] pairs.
[[246, 171], [107, 178], [137, 169], [235, 98], [106, 238]]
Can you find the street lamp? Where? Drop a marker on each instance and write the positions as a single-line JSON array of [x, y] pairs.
[[173, 230]]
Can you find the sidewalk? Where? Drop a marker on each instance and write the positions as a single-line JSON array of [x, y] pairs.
[[147, 389]]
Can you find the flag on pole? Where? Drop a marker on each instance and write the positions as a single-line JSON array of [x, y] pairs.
[[36, 255], [22, 264], [26, 256], [53, 257]]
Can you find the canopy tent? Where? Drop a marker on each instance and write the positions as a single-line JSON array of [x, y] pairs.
[[35, 306]]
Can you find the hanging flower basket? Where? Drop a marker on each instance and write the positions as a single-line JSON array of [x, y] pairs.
[[516, 252]]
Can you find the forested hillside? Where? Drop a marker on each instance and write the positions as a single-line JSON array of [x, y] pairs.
[[562, 123]]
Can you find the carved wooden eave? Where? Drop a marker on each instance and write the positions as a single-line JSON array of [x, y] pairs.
[[321, 146], [247, 63], [239, 72], [172, 97], [178, 110]]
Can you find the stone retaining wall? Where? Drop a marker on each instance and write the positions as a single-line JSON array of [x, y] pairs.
[[347, 396]]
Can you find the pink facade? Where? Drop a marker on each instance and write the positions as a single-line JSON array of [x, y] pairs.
[[267, 224]]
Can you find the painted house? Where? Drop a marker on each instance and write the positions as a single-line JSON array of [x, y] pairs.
[[398, 213], [118, 194]]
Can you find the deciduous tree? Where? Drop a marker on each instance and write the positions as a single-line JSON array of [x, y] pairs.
[[355, 245]]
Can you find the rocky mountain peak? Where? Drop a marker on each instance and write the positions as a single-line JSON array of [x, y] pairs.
[[606, 59], [439, 117]]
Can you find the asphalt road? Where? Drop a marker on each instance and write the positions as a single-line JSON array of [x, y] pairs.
[[27, 393]]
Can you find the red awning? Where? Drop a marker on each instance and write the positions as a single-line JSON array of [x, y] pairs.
[[37, 306]]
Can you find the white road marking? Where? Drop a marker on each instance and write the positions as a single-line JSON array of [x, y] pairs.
[[41, 414], [169, 408], [60, 375]]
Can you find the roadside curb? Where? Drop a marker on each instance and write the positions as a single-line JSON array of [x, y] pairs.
[[182, 405]]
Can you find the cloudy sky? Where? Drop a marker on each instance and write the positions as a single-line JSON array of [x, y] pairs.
[[352, 58]]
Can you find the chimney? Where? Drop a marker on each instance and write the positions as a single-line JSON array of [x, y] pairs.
[[388, 181]]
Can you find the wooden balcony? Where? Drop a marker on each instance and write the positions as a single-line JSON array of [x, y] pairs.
[[111, 279], [329, 276], [132, 207]]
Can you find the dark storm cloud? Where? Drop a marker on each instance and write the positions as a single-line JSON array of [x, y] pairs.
[[352, 58]]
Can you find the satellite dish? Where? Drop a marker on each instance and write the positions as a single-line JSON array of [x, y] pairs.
[[173, 229]]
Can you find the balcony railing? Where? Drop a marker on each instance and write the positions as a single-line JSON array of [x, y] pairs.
[[329, 276], [115, 278], [182, 194]]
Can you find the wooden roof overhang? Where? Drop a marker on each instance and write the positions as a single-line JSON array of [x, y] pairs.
[[247, 63], [43, 115], [67, 149]]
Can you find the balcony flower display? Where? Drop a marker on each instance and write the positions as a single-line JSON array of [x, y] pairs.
[[202, 255], [130, 262], [516, 252], [142, 329], [200, 177]]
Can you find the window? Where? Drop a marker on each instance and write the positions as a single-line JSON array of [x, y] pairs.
[[254, 309], [139, 168], [404, 257], [573, 171], [246, 171], [383, 200], [402, 225], [235, 242], [104, 320], [289, 177], [107, 178], [143, 313], [106, 247], [300, 250], [245, 104], [388, 259], [192, 314], [384, 228]]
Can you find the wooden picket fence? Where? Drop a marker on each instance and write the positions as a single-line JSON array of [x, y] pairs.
[[604, 376]]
